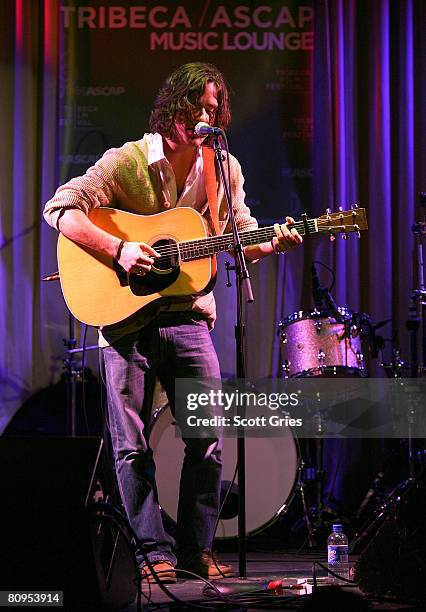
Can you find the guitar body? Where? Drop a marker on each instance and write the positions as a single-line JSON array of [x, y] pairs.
[[99, 292]]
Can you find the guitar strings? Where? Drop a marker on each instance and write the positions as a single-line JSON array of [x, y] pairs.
[[191, 249]]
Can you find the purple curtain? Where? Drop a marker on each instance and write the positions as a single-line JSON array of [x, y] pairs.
[[369, 149], [29, 318]]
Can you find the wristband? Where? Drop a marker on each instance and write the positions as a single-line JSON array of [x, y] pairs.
[[120, 248]]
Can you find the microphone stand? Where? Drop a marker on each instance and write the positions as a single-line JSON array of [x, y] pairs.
[[243, 287], [71, 368], [71, 373], [418, 301], [417, 321]]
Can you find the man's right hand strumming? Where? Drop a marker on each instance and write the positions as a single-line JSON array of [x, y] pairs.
[[137, 257]]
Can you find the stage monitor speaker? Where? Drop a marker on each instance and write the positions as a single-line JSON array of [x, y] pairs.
[[394, 562], [51, 537]]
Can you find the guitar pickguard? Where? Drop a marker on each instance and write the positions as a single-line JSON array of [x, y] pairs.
[[152, 282]]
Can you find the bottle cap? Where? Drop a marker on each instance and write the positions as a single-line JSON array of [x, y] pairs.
[[337, 527]]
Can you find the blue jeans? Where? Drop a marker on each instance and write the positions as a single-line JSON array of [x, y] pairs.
[[175, 345]]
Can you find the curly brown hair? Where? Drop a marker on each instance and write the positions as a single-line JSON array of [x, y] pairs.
[[179, 95]]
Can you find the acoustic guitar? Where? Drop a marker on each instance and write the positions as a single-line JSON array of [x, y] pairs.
[[98, 291]]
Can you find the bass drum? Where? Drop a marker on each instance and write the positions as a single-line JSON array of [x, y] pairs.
[[272, 472]]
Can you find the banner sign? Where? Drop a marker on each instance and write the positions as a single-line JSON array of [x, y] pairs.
[[115, 57]]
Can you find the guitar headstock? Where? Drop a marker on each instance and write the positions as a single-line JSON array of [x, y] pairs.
[[343, 222]]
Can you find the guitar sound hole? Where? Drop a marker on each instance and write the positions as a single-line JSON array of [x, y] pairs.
[[169, 255], [164, 271]]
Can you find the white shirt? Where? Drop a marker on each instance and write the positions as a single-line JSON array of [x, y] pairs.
[[194, 191]]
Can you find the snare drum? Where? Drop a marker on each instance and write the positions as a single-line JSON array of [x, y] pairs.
[[272, 472], [316, 344]]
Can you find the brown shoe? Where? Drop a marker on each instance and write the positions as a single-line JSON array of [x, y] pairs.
[[206, 565], [165, 571]]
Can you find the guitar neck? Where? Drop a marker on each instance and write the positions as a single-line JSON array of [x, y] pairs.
[[206, 247], [334, 223]]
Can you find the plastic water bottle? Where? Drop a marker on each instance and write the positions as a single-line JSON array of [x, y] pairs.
[[337, 553]]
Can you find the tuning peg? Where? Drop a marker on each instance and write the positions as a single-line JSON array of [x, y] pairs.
[[354, 206], [328, 211], [345, 236], [340, 208]]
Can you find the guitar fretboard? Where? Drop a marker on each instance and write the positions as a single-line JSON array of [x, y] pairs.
[[206, 247]]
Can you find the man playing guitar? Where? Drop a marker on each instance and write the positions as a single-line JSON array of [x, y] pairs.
[[169, 338]]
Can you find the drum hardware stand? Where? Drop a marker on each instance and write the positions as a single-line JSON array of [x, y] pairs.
[[315, 475], [315, 528], [311, 531], [392, 499], [300, 487], [395, 370], [413, 326], [243, 286], [418, 300], [417, 321], [318, 425], [373, 521]]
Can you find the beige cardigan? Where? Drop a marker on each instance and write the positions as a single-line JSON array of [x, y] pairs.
[[123, 179]]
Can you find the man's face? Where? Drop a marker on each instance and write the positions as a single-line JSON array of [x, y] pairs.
[[206, 111]]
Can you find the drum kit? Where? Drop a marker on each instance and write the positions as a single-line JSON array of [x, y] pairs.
[[314, 343], [328, 341]]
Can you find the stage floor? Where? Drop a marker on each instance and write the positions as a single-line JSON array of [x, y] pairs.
[[261, 568]]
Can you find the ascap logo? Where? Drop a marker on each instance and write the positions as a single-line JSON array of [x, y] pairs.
[[105, 90]]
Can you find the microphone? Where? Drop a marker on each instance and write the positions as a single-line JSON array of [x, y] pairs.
[[204, 129], [332, 306], [317, 290], [322, 296]]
